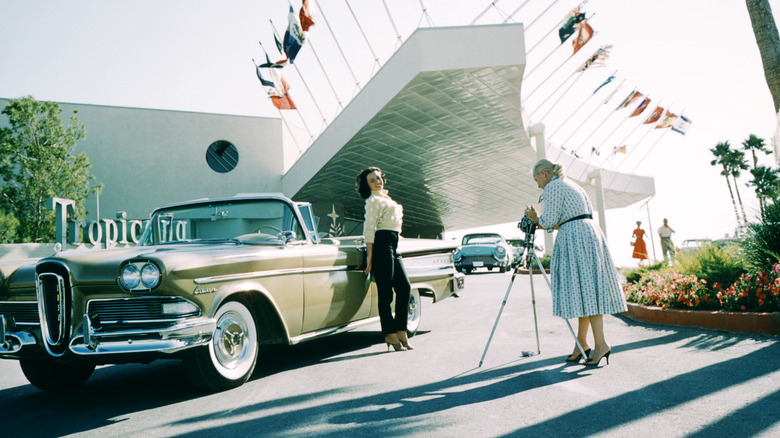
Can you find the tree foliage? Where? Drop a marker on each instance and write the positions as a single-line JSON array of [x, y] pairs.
[[37, 163]]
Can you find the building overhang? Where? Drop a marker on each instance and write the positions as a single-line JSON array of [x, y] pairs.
[[443, 119]]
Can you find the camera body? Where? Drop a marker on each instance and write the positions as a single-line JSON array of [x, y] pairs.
[[527, 226]]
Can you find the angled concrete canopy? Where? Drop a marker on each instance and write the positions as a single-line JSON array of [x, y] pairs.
[[443, 119]]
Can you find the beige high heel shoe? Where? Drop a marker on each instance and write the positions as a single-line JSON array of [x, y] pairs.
[[404, 340], [395, 343]]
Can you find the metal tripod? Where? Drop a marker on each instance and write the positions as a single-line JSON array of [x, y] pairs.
[[527, 260]]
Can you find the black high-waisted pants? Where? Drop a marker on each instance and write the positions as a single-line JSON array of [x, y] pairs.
[[389, 274]]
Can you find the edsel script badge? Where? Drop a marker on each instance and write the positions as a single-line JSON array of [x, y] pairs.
[[210, 290]]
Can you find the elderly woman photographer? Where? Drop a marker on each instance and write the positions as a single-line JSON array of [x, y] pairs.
[[584, 279]]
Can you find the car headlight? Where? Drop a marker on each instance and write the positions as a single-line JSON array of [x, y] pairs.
[[501, 250], [139, 276], [150, 275], [130, 277]]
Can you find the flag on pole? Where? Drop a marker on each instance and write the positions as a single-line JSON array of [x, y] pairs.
[[295, 35], [598, 59], [630, 99], [654, 116], [567, 29], [609, 79], [584, 35], [619, 150], [667, 121], [681, 125], [642, 106], [275, 85], [594, 151]]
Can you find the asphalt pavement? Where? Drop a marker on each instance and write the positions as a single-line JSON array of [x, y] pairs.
[[662, 381]]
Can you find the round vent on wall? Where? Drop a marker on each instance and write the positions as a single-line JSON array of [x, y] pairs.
[[222, 156]]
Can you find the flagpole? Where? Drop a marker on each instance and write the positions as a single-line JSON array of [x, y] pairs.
[[335, 94], [540, 15], [307, 90], [397, 34], [357, 22], [636, 146], [425, 13], [559, 97], [492, 3], [624, 138], [292, 134], [577, 109], [512, 15], [343, 56], [654, 144], [611, 113], [554, 71]]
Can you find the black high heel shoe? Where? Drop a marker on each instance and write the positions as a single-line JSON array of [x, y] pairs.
[[576, 357], [595, 362]]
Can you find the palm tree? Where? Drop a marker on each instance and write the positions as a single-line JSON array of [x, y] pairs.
[[768, 41], [767, 183], [721, 151], [752, 145], [735, 162]]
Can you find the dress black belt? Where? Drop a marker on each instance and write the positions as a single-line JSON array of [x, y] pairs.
[[575, 218]]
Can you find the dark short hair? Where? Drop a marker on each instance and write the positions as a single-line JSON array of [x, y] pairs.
[[361, 185]]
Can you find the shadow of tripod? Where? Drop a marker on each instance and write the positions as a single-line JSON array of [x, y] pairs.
[[527, 258]]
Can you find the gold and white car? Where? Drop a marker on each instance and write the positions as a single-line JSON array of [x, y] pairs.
[[210, 282]]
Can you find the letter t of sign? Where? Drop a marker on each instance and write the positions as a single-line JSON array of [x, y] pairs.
[[61, 207]]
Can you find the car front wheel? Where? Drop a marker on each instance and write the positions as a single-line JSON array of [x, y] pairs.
[[229, 359], [50, 375]]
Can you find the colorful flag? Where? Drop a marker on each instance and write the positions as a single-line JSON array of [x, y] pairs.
[[594, 151], [583, 36], [305, 16], [654, 116], [598, 59], [295, 35], [567, 29], [619, 150], [642, 106], [609, 79], [631, 99], [682, 125], [667, 121], [276, 86]]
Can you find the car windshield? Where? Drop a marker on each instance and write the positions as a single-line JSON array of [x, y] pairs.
[[245, 221], [482, 240]]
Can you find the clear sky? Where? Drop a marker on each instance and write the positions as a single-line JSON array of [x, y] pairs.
[[699, 56]]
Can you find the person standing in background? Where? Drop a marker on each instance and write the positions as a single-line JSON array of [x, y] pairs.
[[667, 246], [640, 249]]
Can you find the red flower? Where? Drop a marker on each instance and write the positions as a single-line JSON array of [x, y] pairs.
[[742, 307], [760, 302]]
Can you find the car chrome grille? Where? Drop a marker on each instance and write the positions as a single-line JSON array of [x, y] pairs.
[[52, 284], [136, 310], [23, 312], [481, 258]]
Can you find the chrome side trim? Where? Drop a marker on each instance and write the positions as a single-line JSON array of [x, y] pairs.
[[333, 330], [277, 272], [16, 342]]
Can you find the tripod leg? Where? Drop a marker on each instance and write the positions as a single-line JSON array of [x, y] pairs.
[[506, 297], [533, 305], [544, 274]]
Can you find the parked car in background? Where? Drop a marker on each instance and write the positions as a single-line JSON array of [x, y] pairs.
[[484, 250], [210, 282], [694, 244]]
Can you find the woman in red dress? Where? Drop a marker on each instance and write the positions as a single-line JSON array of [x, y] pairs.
[[640, 249]]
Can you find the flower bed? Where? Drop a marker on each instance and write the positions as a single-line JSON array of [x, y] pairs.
[[741, 322]]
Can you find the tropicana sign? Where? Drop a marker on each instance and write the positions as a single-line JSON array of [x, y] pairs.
[[107, 232]]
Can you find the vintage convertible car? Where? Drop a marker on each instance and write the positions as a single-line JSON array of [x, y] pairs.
[[210, 282], [484, 250]]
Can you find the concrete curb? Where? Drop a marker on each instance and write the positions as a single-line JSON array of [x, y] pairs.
[[738, 322]]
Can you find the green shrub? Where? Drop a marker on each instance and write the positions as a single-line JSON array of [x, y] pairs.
[[545, 260], [634, 275], [752, 292], [712, 263], [8, 225], [761, 247]]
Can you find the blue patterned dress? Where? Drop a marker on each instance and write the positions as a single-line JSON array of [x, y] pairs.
[[584, 278]]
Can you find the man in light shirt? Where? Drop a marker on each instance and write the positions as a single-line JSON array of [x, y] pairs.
[[667, 246]]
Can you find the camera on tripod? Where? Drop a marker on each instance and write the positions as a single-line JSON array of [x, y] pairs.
[[527, 226]]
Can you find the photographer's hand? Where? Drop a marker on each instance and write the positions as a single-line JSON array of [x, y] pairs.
[[530, 211]]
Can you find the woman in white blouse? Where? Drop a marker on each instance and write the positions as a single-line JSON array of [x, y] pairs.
[[585, 281], [381, 228]]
